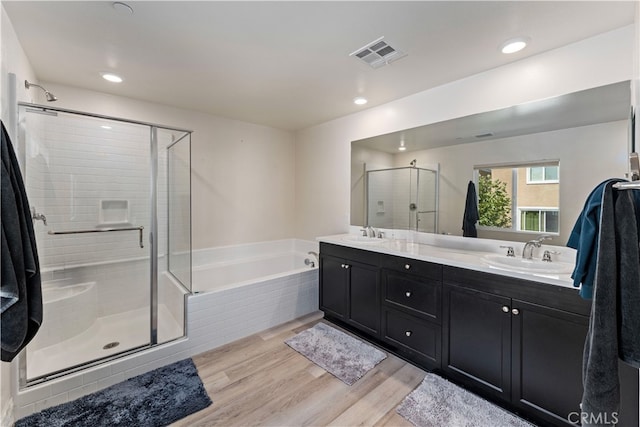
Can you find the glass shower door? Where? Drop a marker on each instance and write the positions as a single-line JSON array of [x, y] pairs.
[[90, 178]]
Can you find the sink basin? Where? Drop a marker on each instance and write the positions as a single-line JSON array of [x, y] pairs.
[[527, 265], [364, 240]]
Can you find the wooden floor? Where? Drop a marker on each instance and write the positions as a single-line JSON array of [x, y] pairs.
[[260, 381]]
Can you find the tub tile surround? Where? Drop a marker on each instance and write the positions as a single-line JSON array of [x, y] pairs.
[[457, 251], [213, 319]]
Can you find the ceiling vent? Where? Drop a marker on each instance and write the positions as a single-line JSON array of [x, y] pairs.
[[378, 53]]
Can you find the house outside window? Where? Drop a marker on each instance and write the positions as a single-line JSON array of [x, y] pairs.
[[542, 175]]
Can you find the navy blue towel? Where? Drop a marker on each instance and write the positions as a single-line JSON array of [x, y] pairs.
[[20, 291], [584, 238], [470, 212]]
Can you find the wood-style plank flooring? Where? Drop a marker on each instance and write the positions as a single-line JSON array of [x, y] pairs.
[[260, 381]]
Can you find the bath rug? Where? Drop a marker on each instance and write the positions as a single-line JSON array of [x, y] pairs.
[[154, 399], [437, 402], [343, 356]]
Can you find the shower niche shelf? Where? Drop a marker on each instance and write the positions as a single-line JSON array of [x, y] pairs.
[[113, 212]]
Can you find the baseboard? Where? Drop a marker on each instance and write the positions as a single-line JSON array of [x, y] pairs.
[[6, 412]]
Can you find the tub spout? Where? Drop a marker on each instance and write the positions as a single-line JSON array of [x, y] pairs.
[[311, 263]]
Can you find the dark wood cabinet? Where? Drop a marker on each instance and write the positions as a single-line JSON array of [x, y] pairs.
[[412, 309], [333, 289], [364, 297], [513, 341], [547, 349], [350, 287], [519, 351], [477, 339]]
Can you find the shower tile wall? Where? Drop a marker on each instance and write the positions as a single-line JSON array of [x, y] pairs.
[[388, 199], [72, 164]]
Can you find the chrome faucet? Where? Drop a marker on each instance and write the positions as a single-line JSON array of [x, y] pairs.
[[371, 232], [535, 243], [38, 216], [312, 263]]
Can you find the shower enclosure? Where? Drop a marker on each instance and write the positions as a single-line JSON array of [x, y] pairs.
[[403, 198], [111, 205]]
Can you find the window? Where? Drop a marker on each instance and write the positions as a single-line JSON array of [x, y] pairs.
[[519, 198], [542, 174], [538, 220]]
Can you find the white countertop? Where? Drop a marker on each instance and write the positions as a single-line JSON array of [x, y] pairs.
[[456, 251]]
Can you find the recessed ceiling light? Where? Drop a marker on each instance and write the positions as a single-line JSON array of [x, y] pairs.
[[402, 147], [105, 127], [112, 78], [514, 45], [359, 100]]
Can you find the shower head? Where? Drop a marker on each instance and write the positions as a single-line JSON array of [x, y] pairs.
[[50, 97]]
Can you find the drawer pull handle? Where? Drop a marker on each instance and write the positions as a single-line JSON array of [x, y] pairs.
[[515, 311], [407, 266], [408, 294], [505, 308], [408, 333]]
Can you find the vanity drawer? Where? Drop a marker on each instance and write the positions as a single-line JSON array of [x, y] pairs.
[[419, 337], [414, 293], [412, 266]]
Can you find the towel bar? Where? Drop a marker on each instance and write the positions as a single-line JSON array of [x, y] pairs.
[[101, 230]]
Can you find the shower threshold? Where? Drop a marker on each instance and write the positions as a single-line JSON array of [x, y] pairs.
[[130, 329]]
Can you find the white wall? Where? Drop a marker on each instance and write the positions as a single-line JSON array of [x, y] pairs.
[[323, 151], [12, 60], [242, 174]]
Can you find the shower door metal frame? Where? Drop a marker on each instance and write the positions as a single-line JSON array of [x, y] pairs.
[[153, 233], [189, 287]]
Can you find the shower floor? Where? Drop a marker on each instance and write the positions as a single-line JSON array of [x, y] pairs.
[[129, 329]]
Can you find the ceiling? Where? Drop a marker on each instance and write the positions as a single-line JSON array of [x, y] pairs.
[[286, 64], [598, 105]]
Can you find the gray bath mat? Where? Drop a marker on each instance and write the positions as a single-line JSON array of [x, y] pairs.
[[154, 399], [345, 357], [438, 403]]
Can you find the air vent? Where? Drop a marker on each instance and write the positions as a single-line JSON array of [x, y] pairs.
[[378, 53]]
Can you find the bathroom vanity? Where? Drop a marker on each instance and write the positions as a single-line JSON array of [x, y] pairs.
[[512, 337]]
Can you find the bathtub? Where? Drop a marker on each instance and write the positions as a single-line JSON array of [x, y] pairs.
[[242, 290], [221, 268]]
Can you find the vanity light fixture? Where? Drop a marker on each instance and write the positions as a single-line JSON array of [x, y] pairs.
[[514, 45], [112, 78], [359, 100]]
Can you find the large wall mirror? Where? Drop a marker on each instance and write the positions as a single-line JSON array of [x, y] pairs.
[[566, 144]]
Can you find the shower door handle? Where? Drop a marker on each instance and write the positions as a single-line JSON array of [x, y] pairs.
[[101, 230]]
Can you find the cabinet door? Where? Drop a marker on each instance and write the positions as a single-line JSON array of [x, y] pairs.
[[547, 350], [364, 297], [333, 287], [477, 340]]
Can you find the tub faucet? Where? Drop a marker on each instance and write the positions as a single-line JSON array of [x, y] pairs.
[[38, 216], [310, 263], [527, 251]]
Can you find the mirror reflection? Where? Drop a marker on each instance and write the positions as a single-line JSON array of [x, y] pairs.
[[402, 198], [578, 139], [519, 197]]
